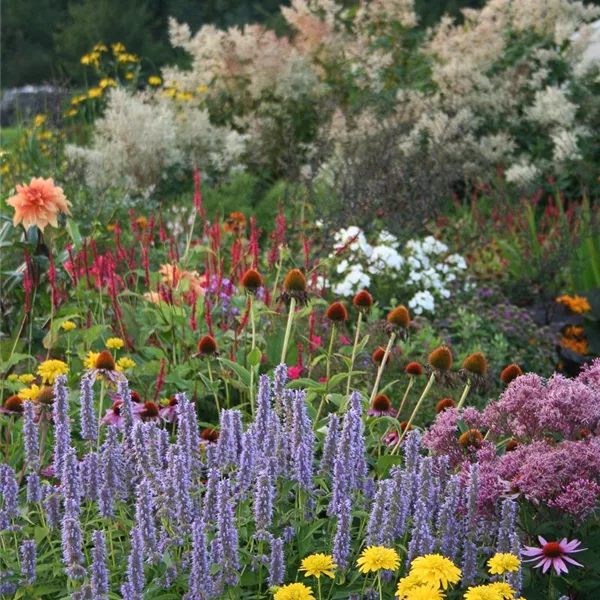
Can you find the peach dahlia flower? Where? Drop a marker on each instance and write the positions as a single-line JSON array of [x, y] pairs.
[[38, 203]]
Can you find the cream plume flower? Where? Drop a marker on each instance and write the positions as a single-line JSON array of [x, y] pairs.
[[38, 203]]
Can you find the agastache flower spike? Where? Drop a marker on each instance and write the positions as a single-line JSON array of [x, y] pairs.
[[134, 587], [448, 527], [90, 470], [342, 539], [144, 517], [264, 495], [52, 506], [89, 426], [34, 488], [8, 490], [62, 428], [210, 496], [245, 473], [330, 445], [226, 540], [201, 586], [72, 543], [99, 571], [30, 435], [276, 563], [28, 561], [70, 483]]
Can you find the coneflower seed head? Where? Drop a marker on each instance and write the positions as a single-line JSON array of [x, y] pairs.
[[470, 439], [14, 403], [444, 404], [105, 361], [399, 317], [381, 403], [337, 312], [363, 300], [475, 363], [510, 373], [252, 280], [414, 369], [441, 358], [295, 281], [377, 356], [207, 345]]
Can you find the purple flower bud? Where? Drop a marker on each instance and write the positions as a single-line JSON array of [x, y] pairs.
[[276, 563], [89, 423], [90, 470], [210, 509], [330, 445], [135, 566], [72, 545], [8, 491], [30, 435], [52, 506], [28, 561], [342, 538], [99, 571], [226, 540], [264, 494], [144, 517]]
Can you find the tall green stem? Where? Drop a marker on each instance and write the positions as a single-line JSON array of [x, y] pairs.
[[100, 405], [408, 388], [464, 394], [388, 349], [328, 374], [414, 412], [253, 326], [212, 383], [288, 330], [356, 338]]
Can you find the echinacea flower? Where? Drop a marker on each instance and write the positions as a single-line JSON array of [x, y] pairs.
[[377, 356], [252, 281], [398, 320], [441, 359], [114, 417], [554, 554], [443, 405], [209, 436], [294, 286], [294, 591], [436, 570], [375, 558], [337, 312], [38, 203], [168, 411], [114, 343], [414, 369], [13, 405], [207, 346], [381, 406], [106, 367], [503, 562], [49, 370], [510, 373], [363, 301], [316, 565]]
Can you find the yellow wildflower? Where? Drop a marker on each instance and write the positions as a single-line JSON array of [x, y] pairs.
[[503, 589], [425, 592], [78, 99], [129, 76], [108, 82], [30, 393], [294, 591], [26, 378], [374, 558], [316, 565], [408, 584], [126, 58], [118, 48], [482, 592], [13, 377], [125, 363], [436, 570], [187, 96], [154, 80], [170, 92], [89, 362], [100, 48], [49, 370], [39, 120], [95, 92], [114, 343], [201, 89], [68, 325], [502, 562]]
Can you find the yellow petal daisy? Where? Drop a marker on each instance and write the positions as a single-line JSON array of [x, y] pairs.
[[482, 592], [502, 562], [125, 363], [408, 584], [49, 370], [68, 325], [436, 570], [13, 377], [89, 362], [30, 393], [503, 589], [317, 565], [425, 592], [294, 591], [114, 343], [26, 378], [375, 558]]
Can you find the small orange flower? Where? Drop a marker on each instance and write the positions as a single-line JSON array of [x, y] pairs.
[[38, 203], [511, 445], [510, 373], [235, 222], [576, 304], [142, 223], [337, 312]]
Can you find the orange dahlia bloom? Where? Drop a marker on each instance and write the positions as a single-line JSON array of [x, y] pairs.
[[38, 203]]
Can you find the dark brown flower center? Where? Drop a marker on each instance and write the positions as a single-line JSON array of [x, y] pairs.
[[382, 403], [105, 361], [552, 550]]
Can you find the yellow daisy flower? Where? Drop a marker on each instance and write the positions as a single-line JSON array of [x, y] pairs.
[[39, 120], [482, 592], [154, 80], [425, 592], [201, 89], [129, 76], [294, 591], [108, 82], [436, 570], [100, 48], [118, 48], [374, 558], [503, 589], [30, 393], [317, 565], [114, 343], [68, 325], [408, 584], [125, 363], [13, 377], [502, 563], [95, 92], [49, 370], [26, 378], [89, 362]]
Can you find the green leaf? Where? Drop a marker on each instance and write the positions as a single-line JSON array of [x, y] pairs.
[[254, 357], [73, 231], [240, 371], [386, 462]]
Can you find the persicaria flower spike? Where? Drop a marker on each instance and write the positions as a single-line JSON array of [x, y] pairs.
[[363, 300], [441, 359], [337, 312], [252, 281], [510, 373]]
